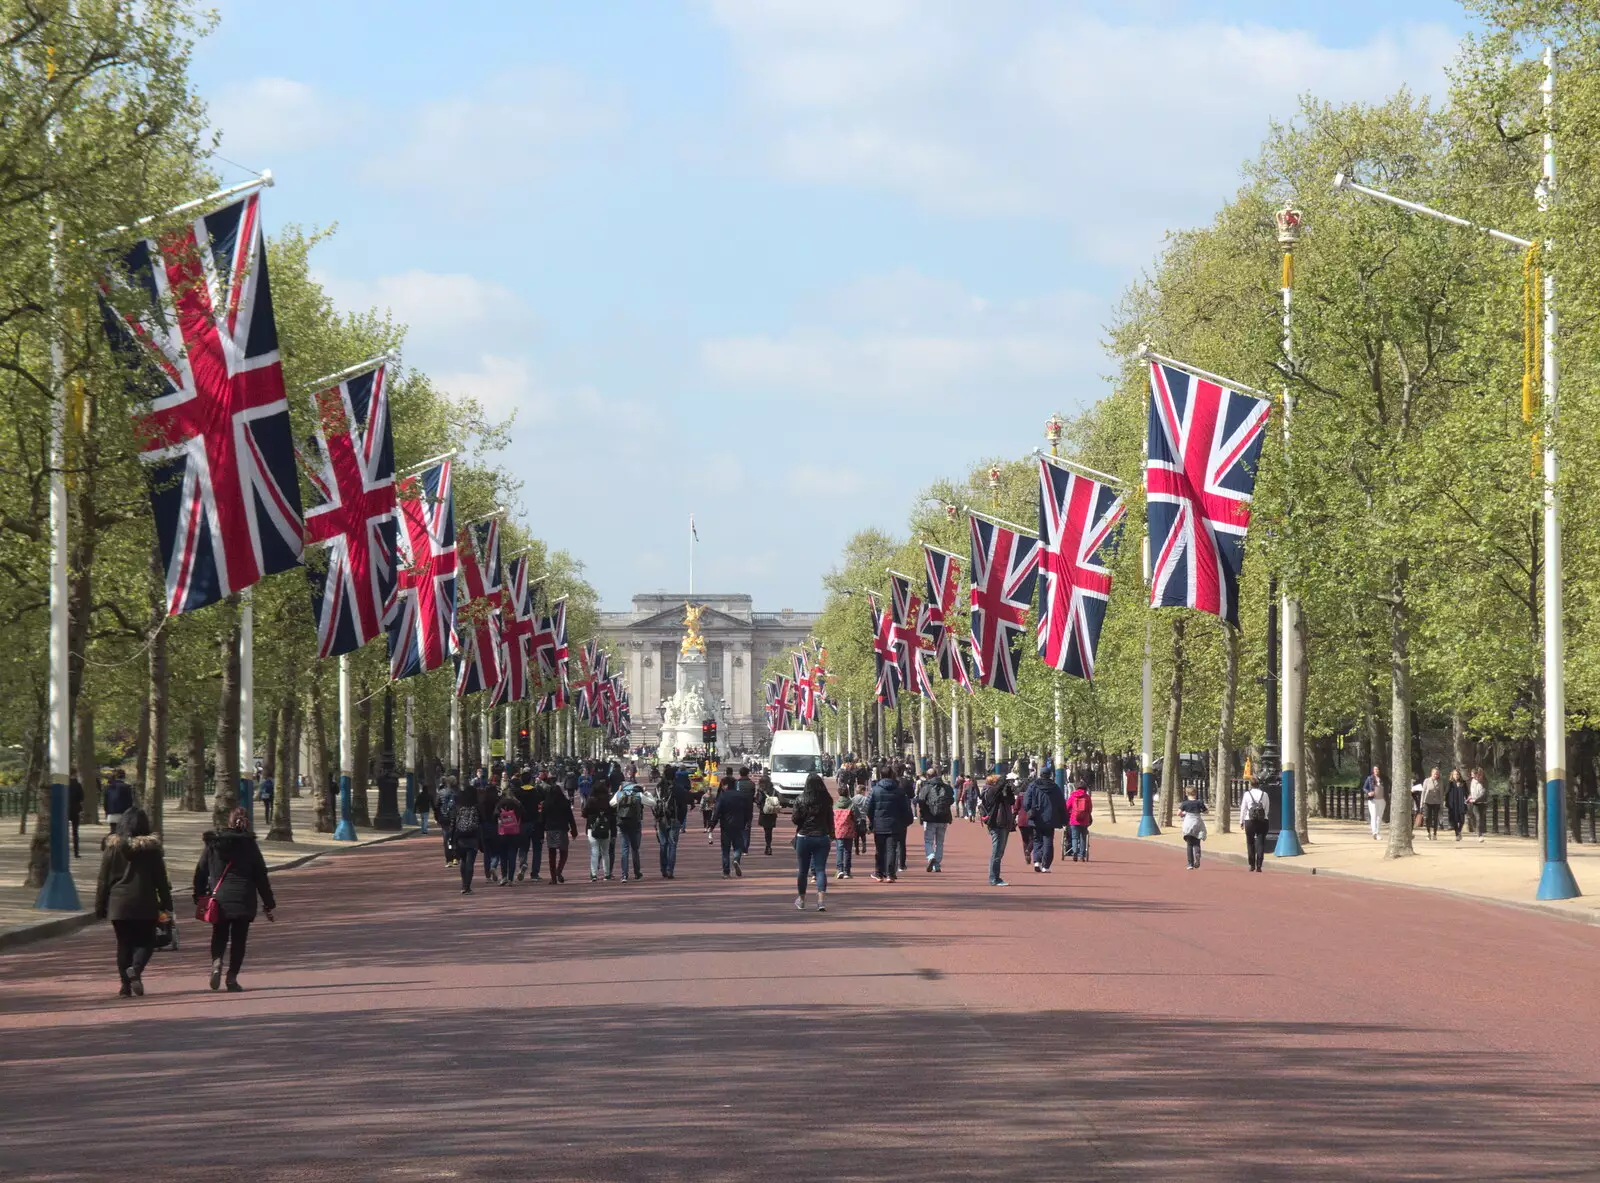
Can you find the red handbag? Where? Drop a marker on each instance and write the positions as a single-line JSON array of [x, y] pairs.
[[208, 910]]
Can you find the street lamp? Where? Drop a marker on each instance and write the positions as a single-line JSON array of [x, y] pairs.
[[1556, 881], [994, 477]]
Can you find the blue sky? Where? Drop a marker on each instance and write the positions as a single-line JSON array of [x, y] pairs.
[[776, 262]]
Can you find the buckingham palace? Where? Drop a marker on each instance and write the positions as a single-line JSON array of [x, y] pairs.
[[739, 643]]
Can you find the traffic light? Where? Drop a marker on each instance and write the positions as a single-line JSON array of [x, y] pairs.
[[708, 733]]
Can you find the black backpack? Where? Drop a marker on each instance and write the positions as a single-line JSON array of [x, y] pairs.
[[1258, 808], [467, 819]]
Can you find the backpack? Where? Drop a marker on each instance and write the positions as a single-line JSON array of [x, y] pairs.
[[1086, 810], [467, 819], [509, 822], [769, 805], [667, 806], [631, 807], [943, 799], [600, 826], [1258, 806]]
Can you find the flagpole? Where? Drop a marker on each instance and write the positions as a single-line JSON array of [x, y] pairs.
[[455, 733], [410, 817], [1147, 779], [955, 739], [1292, 718], [691, 555], [247, 702], [1052, 432], [346, 831]]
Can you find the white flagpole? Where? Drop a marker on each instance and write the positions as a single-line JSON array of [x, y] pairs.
[[455, 733], [410, 818], [691, 554], [1147, 817], [346, 830]]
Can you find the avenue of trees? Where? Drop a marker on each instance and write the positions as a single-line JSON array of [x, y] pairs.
[[1404, 516], [99, 127]]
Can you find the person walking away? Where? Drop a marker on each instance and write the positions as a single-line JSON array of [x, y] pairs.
[[118, 799], [732, 817], [708, 807], [1432, 803], [667, 809], [75, 808], [908, 813], [1372, 789], [461, 823], [844, 833], [530, 837], [746, 786], [1478, 800], [1455, 801], [601, 822], [488, 803], [770, 805], [629, 803], [935, 801], [1080, 816], [813, 828], [883, 814], [508, 821], [560, 827], [133, 892], [998, 809], [1025, 826], [423, 805], [1253, 820], [264, 793], [1194, 826], [232, 871], [1040, 803]]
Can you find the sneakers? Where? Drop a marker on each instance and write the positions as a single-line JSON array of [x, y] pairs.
[[929, 867], [216, 964], [464, 891], [799, 903], [127, 990], [726, 875], [138, 987], [822, 902], [938, 868], [877, 878], [594, 879], [737, 869], [234, 987], [999, 883]]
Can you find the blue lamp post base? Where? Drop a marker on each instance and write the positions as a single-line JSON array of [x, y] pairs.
[[1557, 883], [1147, 796], [59, 893], [1288, 841], [345, 831]]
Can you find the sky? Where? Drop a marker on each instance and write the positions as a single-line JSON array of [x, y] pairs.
[[776, 263]]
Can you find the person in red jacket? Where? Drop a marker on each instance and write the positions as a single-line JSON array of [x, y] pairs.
[[1080, 816]]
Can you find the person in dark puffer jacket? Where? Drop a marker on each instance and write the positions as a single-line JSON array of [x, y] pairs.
[[231, 867], [132, 892]]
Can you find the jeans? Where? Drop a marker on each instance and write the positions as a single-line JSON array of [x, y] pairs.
[[1192, 849], [732, 848], [1480, 814], [900, 847], [811, 852], [1375, 815], [667, 836], [1044, 847], [1079, 836], [997, 850], [933, 842], [630, 833], [886, 859], [467, 860], [136, 943], [73, 822], [1255, 841], [1026, 834], [842, 855], [232, 936], [489, 842], [599, 856], [1431, 814], [450, 844]]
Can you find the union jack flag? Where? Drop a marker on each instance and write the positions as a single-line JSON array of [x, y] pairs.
[[357, 520], [553, 701], [588, 666], [421, 612], [478, 617], [913, 635], [216, 440], [805, 688], [1200, 476], [1080, 521], [545, 638], [887, 686], [944, 584], [516, 636], [1004, 564]]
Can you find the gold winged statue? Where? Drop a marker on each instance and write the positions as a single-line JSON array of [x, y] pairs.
[[693, 642]]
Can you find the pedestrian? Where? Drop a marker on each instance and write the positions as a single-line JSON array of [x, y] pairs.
[[1080, 816], [443, 807], [1372, 789], [1047, 809], [74, 808], [886, 805], [422, 806], [1455, 801], [586, 783], [1432, 802], [560, 827], [668, 808], [746, 786], [463, 826], [600, 820], [768, 797], [1478, 800], [118, 798], [732, 817], [268, 789], [935, 800], [233, 873], [708, 807], [1025, 826], [813, 828], [1194, 826], [133, 892], [529, 853], [844, 833], [908, 812], [1253, 820], [998, 809], [509, 820], [629, 803]]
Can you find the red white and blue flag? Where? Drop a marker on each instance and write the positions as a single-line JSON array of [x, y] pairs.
[[193, 314], [944, 585], [1004, 564], [421, 612], [478, 616], [805, 688], [1080, 521], [1200, 476], [887, 686], [516, 636], [912, 633], [357, 522], [544, 638]]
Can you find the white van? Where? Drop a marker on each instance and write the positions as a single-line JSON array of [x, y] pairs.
[[794, 756]]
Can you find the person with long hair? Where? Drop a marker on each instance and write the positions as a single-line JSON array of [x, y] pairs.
[[1455, 801], [133, 891], [813, 825], [768, 804], [232, 871], [1478, 802]]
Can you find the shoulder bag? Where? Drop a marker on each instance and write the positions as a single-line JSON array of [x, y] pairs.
[[208, 910]]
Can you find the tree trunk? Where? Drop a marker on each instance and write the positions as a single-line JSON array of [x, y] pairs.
[[194, 774], [84, 758], [281, 828], [319, 762], [226, 796], [1458, 743], [1223, 762], [37, 793], [269, 759], [295, 735], [1171, 773], [363, 757], [1400, 780], [156, 708], [141, 756], [1302, 783]]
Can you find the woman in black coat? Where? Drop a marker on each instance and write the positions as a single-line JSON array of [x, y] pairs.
[[231, 869], [133, 892]]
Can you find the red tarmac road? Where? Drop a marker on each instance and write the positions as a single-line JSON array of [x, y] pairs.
[[1123, 1019]]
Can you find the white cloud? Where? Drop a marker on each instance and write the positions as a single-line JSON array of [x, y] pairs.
[[264, 119], [448, 315]]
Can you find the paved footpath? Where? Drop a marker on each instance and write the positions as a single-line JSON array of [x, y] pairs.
[[1124, 1019]]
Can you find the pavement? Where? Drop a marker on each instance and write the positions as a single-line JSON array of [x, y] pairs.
[[1123, 1019], [22, 923], [1502, 869]]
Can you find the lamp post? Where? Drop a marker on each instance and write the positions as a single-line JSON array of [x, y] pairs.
[[1556, 881], [1147, 776], [1293, 719], [388, 815], [410, 816], [1052, 432]]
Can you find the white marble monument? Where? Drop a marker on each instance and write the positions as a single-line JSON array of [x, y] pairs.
[[691, 704]]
